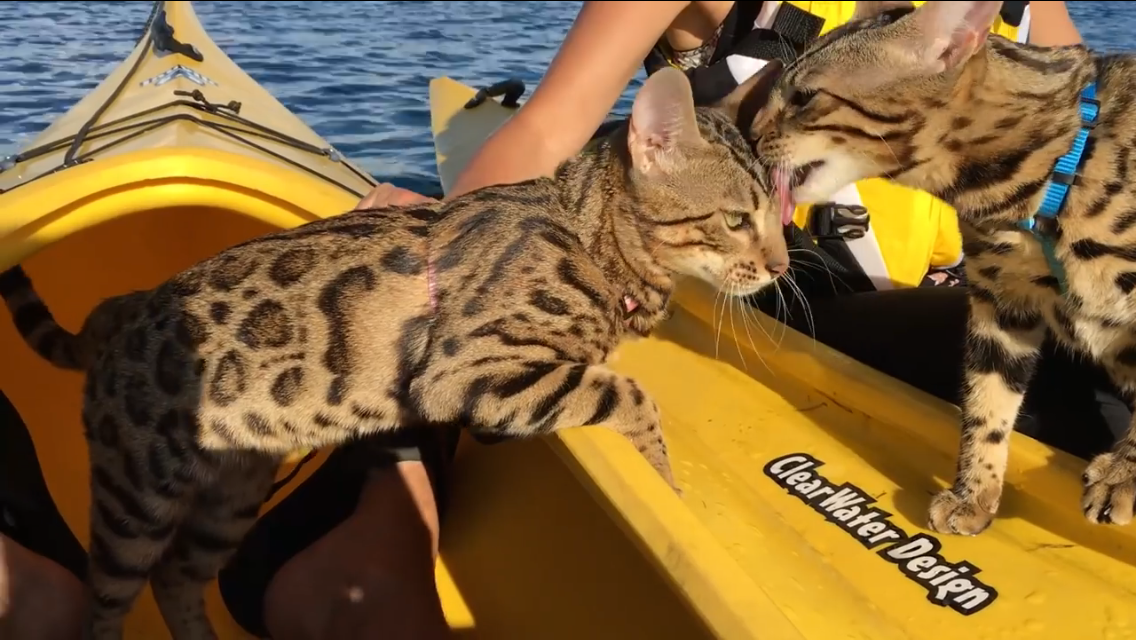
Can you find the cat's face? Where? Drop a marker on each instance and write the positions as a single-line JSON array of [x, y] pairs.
[[861, 102], [703, 201]]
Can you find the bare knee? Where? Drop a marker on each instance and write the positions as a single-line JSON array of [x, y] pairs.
[[376, 604], [372, 576], [369, 604], [39, 600]]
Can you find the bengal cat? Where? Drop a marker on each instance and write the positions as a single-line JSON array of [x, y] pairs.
[[496, 310], [928, 99]]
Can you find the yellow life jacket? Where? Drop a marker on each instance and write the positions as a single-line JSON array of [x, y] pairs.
[[914, 230]]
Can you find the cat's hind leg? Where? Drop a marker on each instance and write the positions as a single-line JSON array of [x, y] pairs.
[[130, 531], [221, 515]]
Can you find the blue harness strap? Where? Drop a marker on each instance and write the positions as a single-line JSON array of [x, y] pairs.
[[1064, 176]]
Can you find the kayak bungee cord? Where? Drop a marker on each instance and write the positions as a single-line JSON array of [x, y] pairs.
[[69, 158], [158, 35]]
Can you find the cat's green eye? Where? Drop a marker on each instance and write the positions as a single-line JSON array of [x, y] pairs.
[[736, 220], [800, 97]]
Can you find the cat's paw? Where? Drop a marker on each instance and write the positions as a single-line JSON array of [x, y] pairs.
[[663, 467], [951, 514], [1110, 487]]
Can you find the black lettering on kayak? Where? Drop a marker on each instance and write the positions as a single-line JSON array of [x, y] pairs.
[[948, 584]]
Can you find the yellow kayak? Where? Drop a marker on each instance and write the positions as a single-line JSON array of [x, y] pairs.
[[807, 477], [178, 154]]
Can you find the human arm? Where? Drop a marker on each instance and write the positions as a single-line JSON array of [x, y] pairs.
[[1050, 25], [600, 55], [386, 194]]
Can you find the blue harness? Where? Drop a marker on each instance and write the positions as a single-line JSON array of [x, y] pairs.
[[1064, 176]]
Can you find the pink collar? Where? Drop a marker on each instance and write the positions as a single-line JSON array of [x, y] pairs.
[[431, 284]]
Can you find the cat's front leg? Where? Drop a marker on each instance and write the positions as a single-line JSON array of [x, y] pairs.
[[1110, 479], [525, 398], [1002, 348]]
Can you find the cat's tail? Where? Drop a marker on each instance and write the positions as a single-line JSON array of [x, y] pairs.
[[37, 326]]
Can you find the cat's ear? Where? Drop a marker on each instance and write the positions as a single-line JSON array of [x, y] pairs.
[[950, 32], [662, 122], [746, 102], [866, 10]]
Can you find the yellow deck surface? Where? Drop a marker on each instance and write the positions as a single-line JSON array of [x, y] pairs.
[[573, 536]]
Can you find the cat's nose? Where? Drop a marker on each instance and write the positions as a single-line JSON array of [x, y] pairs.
[[776, 267]]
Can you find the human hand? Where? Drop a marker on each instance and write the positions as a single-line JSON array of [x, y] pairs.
[[388, 195]]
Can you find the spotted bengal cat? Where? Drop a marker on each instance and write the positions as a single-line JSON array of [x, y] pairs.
[[496, 310], [926, 98]]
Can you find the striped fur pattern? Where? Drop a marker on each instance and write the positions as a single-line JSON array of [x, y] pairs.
[[496, 311], [927, 99]]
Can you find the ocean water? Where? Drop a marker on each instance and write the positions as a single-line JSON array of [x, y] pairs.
[[356, 72]]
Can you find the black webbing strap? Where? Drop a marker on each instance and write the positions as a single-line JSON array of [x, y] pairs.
[[1013, 12], [797, 26], [792, 30], [739, 23]]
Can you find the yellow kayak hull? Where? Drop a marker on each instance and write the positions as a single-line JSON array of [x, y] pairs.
[[570, 536], [807, 477]]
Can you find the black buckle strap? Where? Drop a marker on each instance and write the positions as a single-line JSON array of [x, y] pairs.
[[510, 91], [792, 31], [1013, 12], [832, 221], [162, 35], [796, 24]]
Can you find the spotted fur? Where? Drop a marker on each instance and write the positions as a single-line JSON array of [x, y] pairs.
[[496, 311], [927, 99]]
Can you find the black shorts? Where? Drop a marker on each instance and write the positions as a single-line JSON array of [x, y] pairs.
[[29, 516]]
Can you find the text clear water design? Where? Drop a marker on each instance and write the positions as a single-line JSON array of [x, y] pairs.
[[358, 73]]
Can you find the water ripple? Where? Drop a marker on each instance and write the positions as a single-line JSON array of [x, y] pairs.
[[358, 72]]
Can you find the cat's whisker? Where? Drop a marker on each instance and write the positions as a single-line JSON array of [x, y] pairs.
[[833, 277], [788, 317], [796, 289], [720, 321], [750, 312], [732, 299], [746, 311], [756, 313], [778, 311], [783, 302], [890, 150]]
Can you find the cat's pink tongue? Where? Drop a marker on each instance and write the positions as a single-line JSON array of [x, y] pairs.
[[784, 195]]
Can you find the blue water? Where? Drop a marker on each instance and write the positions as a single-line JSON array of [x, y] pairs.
[[356, 72]]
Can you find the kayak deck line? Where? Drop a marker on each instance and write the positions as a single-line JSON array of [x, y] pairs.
[[134, 126]]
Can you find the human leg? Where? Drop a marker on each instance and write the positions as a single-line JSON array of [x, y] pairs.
[[42, 564], [917, 335], [370, 576], [351, 550], [39, 599]]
